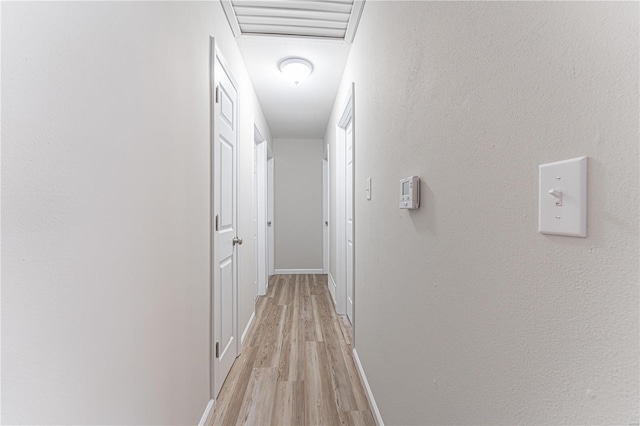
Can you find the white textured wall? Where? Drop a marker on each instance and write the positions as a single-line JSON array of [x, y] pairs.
[[465, 313], [298, 203], [105, 210]]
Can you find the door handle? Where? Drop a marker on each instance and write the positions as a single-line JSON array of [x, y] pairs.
[[269, 223], [326, 223], [237, 240]]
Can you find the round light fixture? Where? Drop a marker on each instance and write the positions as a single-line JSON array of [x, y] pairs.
[[296, 69]]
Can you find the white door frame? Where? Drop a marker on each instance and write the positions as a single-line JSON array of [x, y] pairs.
[[260, 211], [215, 55], [270, 214], [346, 117]]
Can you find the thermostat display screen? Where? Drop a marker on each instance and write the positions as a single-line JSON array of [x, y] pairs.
[[405, 188]]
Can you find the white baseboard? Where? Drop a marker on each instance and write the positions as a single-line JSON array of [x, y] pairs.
[[207, 416], [367, 389], [248, 327], [332, 288], [298, 271]]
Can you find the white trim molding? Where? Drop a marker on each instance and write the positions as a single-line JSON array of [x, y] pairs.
[[367, 389], [248, 327], [207, 416], [298, 271], [233, 19], [354, 20], [332, 288]]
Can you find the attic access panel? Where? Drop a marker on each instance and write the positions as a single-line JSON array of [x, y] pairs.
[[329, 19]]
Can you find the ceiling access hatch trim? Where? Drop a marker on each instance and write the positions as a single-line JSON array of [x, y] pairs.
[[325, 19]]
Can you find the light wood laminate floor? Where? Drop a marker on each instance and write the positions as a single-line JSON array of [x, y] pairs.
[[296, 366]]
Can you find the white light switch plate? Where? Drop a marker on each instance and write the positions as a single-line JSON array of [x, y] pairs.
[[368, 188], [563, 198]]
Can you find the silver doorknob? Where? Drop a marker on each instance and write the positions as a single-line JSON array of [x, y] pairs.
[[237, 240]]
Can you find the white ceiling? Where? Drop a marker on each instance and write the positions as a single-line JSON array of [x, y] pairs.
[[268, 31], [295, 111]]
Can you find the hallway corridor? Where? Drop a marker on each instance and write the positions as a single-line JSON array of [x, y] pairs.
[[296, 367]]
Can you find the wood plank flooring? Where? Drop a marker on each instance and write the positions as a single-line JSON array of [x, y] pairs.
[[296, 366]]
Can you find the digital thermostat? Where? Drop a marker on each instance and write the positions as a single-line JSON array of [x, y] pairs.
[[410, 193]]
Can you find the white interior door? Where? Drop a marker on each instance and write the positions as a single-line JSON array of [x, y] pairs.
[[270, 216], [325, 216], [344, 225], [225, 246], [349, 216], [255, 218], [260, 218]]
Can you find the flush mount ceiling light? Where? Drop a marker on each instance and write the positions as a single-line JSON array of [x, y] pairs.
[[296, 69]]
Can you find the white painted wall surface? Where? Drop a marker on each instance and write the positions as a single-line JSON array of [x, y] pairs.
[[298, 203], [105, 202], [465, 313]]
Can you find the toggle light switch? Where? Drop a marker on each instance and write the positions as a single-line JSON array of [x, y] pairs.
[[563, 198], [558, 194]]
